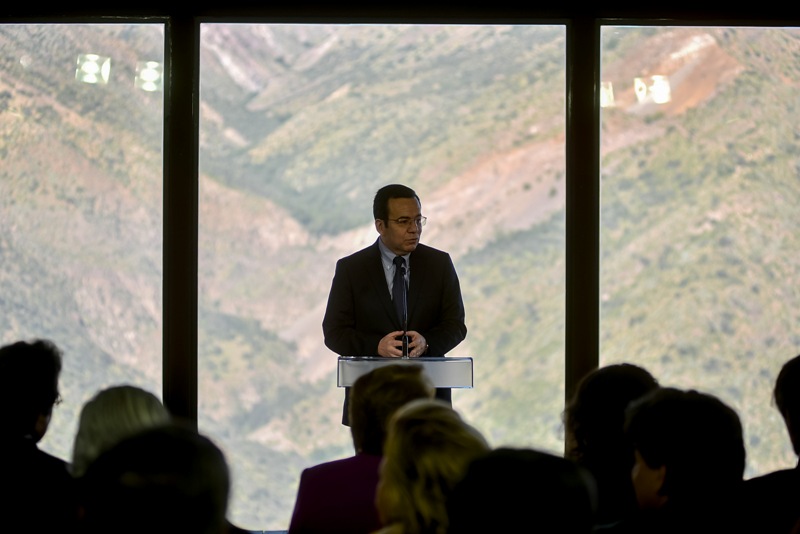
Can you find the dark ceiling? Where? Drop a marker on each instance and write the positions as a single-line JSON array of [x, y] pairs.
[[664, 12]]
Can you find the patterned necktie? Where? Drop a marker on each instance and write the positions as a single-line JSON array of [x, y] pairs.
[[398, 288]]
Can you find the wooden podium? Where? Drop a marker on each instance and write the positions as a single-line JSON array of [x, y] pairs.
[[443, 372]]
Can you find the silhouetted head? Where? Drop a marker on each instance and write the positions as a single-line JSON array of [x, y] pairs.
[[163, 479], [427, 450], [29, 374], [522, 490], [787, 399], [689, 447], [595, 416], [376, 395], [112, 415], [594, 422]]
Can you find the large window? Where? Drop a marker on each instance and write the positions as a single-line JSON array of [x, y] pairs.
[[300, 125], [80, 203], [700, 233]]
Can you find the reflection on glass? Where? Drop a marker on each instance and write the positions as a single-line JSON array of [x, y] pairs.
[[149, 75], [93, 69], [699, 277], [300, 125], [81, 207]]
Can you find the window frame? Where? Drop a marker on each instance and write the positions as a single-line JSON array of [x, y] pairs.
[[181, 145]]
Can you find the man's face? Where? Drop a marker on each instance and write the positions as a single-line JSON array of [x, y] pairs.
[[401, 237], [647, 483]]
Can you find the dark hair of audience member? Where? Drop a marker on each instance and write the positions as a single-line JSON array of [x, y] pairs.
[[787, 399], [594, 422], [29, 374], [164, 479], [697, 437], [595, 416], [522, 490], [376, 395]]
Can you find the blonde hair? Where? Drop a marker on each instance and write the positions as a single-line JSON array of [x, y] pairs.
[[113, 414], [427, 451]]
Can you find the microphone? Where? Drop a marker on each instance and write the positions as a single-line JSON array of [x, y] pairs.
[[405, 310]]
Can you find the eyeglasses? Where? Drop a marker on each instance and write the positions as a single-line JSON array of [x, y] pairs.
[[419, 222]]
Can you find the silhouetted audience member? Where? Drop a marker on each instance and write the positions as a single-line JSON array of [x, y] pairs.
[[689, 461], [37, 487], [113, 414], [522, 490], [339, 496], [594, 422], [164, 479], [774, 498], [427, 451]]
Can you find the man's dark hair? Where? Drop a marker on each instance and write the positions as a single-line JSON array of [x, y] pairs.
[[695, 435], [29, 374], [787, 398], [380, 205], [376, 395], [163, 479], [516, 490], [595, 416]]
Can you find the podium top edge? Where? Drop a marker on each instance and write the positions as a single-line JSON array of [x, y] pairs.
[[421, 359]]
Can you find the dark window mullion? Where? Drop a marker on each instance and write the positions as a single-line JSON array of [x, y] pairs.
[[583, 200], [180, 215]]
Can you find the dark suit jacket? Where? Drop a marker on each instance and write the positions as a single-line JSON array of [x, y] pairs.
[[714, 510], [772, 501], [360, 310], [39, 492], [338, 496]]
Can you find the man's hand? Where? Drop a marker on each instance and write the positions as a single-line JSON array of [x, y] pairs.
[[391, 345], [417, 344]]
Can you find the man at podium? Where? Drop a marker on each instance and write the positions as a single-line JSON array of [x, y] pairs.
[[396, 297]]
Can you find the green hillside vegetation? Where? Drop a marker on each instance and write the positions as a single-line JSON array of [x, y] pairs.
[[418, 114], [699, 278], [513, 336], [699, 226]]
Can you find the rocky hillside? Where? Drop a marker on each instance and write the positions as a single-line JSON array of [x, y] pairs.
[[301, 124]]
